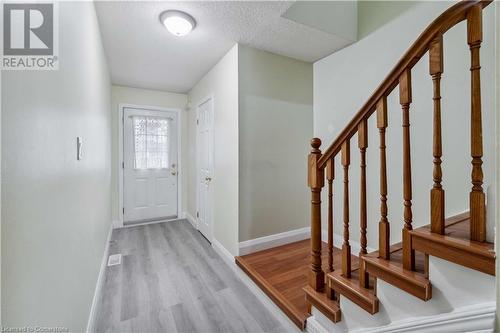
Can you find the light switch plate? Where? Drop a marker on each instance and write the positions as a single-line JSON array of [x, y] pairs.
[[79, 144]]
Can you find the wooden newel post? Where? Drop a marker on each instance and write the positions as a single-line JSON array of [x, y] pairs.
[[316, 181], [477, 196]]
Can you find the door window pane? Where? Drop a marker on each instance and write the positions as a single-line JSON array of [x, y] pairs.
[[151, 142]]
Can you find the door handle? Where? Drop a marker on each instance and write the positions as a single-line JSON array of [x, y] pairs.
[[208, 179], [173, 173]]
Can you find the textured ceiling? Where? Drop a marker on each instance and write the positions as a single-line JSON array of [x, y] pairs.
[[141, 52]]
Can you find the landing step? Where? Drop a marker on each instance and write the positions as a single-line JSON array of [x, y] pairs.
[[296, 315], [392, 272], [456, 247], [330, 308], [351, 289]]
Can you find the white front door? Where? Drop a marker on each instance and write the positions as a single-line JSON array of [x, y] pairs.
[[205, 120], [150, 165]]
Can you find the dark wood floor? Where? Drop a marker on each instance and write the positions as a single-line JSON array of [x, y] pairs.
[[282, 273]]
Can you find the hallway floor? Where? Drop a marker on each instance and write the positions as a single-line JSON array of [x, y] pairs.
[[171, 280]]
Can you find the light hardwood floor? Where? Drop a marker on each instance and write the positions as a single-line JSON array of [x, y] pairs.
[[171, 280]]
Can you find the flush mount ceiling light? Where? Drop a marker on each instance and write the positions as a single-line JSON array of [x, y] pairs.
[[177, 23]]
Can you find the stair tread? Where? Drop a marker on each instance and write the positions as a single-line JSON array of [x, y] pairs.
[[396, 257], [414, 283], [396, 267], [455, 246], [454, 238], [350, 288], [328, 307], [353, 284]]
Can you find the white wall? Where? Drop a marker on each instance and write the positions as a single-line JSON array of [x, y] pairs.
[[343, 82], [56, 210], [335, 17], [144, 97], [275, 126], [497, 27], [0, 201], [221, 82]]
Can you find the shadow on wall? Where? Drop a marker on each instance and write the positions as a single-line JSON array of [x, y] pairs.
[[372, 15]]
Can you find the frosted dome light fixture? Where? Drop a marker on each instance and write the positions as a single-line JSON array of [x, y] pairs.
[[177, 23]]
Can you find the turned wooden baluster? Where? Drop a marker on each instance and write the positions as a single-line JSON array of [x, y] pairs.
[[330, 293], [405, 101], [315, 182], [346, 248], [477, 196], [383, 226], [362, 145], [330, 176], [437, 192]]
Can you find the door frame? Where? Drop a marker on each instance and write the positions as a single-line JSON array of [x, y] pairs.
[[211, 201], [177, 111]]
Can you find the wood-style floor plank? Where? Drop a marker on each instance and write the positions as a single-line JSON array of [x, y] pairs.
[[171, 280]]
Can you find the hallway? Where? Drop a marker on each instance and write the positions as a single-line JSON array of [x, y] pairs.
[[171, 280]]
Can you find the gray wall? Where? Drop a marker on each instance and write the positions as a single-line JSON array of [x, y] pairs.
[[275, 126], [373, 14], [55, 209]]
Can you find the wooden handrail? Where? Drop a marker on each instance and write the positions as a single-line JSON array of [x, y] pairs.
[[439, 26], [431, 40]]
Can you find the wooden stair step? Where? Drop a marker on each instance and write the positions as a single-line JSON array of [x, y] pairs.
[[298, 317], [415, 283], [455, 246], [351, 289], [330, 308]]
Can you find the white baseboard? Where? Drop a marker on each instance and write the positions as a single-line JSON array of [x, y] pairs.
[[223, 253], [267, 242], [191, 220], [474, 318], [117, 224], [99, 283], [133, 225]]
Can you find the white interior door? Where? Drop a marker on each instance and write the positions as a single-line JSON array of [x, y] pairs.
[[205, 153], [150, 165]]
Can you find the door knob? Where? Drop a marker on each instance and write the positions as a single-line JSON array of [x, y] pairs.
[[208, 179], [173, 173]]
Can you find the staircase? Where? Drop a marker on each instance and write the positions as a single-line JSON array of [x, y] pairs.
[[459, 239]]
